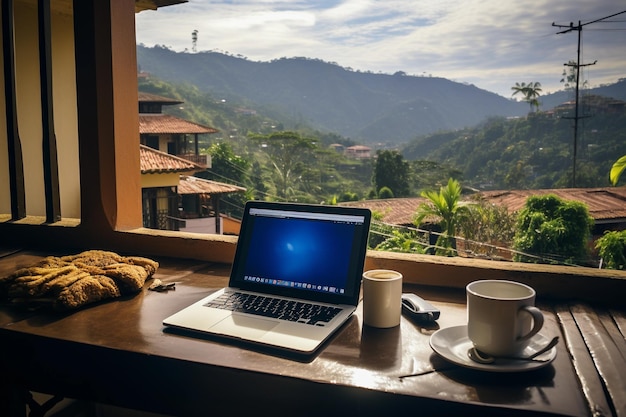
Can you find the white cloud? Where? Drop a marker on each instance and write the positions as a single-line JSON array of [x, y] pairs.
[[490, 43]]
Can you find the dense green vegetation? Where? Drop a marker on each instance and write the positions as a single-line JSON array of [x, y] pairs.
[[548, 227], [530, 153], [448, 209], [255, 151], [612, 249], [546, 230]]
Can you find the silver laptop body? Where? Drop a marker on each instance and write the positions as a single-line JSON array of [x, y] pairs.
[[287, 255]]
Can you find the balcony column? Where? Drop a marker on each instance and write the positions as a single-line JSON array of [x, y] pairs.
[[108, 119]]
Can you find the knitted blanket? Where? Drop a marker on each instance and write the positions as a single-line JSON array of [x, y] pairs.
[[72, 281]]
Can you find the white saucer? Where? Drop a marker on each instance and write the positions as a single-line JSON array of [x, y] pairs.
[[452, 343]]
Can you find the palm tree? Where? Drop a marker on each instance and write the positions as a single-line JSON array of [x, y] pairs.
[[530, 91], [533, 91], [519, 88], [445, 206]]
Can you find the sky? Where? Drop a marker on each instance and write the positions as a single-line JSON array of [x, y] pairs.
[[491, 44]]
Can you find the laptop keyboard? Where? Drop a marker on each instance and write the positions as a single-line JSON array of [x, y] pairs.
[[278, 308]]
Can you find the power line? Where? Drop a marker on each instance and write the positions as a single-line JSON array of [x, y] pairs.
[[579, 28], [543, 258], [571, 26]]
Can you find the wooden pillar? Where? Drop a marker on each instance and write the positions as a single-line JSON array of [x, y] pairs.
[[16, 162], [49, 141], [108, 119]]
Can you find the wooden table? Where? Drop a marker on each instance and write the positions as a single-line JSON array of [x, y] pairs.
[[118, 353]]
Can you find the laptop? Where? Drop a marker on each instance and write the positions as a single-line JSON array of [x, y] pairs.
[[295, 278]]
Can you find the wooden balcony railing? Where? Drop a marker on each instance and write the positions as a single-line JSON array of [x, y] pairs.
[[203, 160]]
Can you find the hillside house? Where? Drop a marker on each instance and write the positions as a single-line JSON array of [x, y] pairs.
[[591, 104], [168, 133], [160, 177], [358, 152], [172, 199]]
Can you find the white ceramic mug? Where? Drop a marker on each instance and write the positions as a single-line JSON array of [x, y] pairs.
[[382, 298], [501, 316]]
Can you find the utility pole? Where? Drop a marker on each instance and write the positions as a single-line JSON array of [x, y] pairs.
[[579, 28]]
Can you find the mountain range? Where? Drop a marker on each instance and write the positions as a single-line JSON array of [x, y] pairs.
[[370, 108]]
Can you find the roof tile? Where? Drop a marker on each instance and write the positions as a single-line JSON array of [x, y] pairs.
[[195, 185], [153, 98], [155, 162], [159, 123], [605, 204]]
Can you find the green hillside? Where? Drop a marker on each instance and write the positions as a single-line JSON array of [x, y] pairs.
[[533, 152], [367, 107], [322, 174], [502, 153]]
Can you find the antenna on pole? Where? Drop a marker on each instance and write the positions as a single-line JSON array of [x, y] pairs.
[[579, 28]]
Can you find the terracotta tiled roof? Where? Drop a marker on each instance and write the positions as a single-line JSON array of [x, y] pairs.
[[164, 123], [153, 98], [399, 211], [195, 185], [154, 162], [606, 205]]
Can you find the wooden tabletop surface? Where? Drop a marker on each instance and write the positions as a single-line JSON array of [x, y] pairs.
[[119, 353]]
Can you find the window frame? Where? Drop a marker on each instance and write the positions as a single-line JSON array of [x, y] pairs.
[[110, 185]]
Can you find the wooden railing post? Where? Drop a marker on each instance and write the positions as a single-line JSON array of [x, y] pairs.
[[16, 163]]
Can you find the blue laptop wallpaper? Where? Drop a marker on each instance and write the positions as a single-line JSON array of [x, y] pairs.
[[302, 251], [306, 252]]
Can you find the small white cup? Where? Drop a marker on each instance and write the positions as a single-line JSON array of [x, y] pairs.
[[501, 316], [382, 298]]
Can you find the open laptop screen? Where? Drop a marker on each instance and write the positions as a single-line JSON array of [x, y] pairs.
[[303, 251]]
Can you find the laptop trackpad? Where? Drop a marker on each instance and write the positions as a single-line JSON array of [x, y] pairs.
[[244, 326]]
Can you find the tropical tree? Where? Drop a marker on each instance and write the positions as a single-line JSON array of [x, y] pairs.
[[446, 207], [520, 88], [530, 91], [392, 171], [570, 75], [533, 92], [287, 153], [550, 230]]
